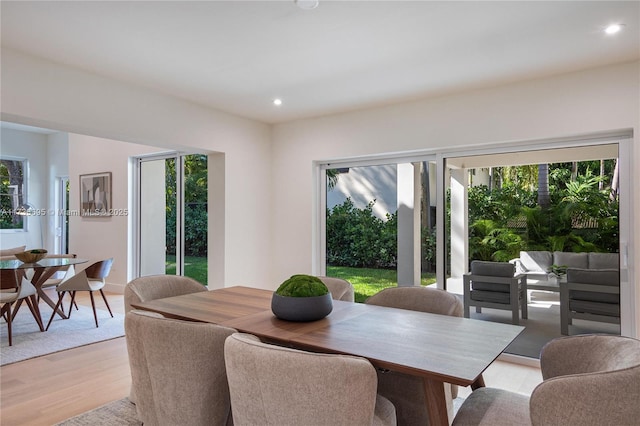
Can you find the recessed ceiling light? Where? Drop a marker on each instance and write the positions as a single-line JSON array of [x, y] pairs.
[[307, 4], [277, 102], [613, 28]]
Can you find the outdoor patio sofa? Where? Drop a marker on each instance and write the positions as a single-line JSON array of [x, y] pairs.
[[536, 265]]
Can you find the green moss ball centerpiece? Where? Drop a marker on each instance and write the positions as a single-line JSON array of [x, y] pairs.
[[302, 298]]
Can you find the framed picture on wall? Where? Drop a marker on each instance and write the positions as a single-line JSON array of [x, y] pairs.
[[95, 194]]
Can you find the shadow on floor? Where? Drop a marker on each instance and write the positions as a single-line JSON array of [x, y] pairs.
[[542, 325]]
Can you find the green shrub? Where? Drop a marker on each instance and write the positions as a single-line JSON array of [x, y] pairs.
[[357, 238]]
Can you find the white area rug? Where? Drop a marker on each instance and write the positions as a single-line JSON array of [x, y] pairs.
[[79, 330]]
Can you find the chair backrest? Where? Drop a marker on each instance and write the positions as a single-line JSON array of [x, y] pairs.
[[340, 289], [154, 287], [282, 386], [491, 269], [99, 270], [178, 370], [601, 277], [423, 299], [589, 380], [9, 278], [15, 285]]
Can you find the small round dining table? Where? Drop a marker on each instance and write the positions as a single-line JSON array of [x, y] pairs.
[[42, 271]]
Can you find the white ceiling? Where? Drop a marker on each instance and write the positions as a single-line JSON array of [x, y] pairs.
[[237, 56]]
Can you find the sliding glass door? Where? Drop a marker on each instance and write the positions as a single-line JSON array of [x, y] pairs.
[[380, 224], [172, 215]]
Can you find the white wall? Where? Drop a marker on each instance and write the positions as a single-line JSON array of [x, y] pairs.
[[57, 164], [98, 238], [268, 214], [33, 147], [596, 100], [45, 94]]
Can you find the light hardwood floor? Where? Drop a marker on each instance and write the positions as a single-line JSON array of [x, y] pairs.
[[49, 389]]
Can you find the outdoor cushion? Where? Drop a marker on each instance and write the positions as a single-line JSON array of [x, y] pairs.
[[491, 296], [604, 261], [571, 260], [608, 309], [603, 277], [536, 261]]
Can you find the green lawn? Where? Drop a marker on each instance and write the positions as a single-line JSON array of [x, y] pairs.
[[194, 267], [366, 281]]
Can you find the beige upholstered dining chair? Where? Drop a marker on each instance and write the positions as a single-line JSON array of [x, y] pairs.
[[404, 391], [273, 385], [153, 287], [340, 289], [144, 289], [90, 279], [178, 370], [589, 380], [14, 288]]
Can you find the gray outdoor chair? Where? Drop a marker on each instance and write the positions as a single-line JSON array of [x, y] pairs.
[[590, 294], [495, 285], [589, 380], [406, 392]]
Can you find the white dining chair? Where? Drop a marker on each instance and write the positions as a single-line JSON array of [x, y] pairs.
[[90, 279], [15, 288]]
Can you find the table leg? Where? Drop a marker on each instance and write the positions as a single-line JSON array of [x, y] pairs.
[[479, 383], [39, 277], [436, 403]]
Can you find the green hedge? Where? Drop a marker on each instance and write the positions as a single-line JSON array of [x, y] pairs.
[[357, 238]]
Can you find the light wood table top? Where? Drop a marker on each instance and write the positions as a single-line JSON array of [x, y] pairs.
[[437, 348]]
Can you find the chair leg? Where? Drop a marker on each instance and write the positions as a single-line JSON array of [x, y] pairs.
[[55, 309], [105, 302], [93, 305], [16, 309], [6, 312], [32, 303], [73, 300]]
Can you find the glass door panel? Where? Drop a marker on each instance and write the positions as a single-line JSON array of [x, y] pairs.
[[173, 218]]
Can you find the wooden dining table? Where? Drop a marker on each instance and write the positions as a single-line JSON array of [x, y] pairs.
[[439, 349]]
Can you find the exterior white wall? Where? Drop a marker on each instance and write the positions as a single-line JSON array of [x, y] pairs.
[[45, 94], [33, 147], [595, 100], [365, 184]]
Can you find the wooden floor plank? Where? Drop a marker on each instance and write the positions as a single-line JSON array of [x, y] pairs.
[[48, 389]]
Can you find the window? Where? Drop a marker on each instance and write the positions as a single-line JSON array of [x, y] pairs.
[[12, 192]]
